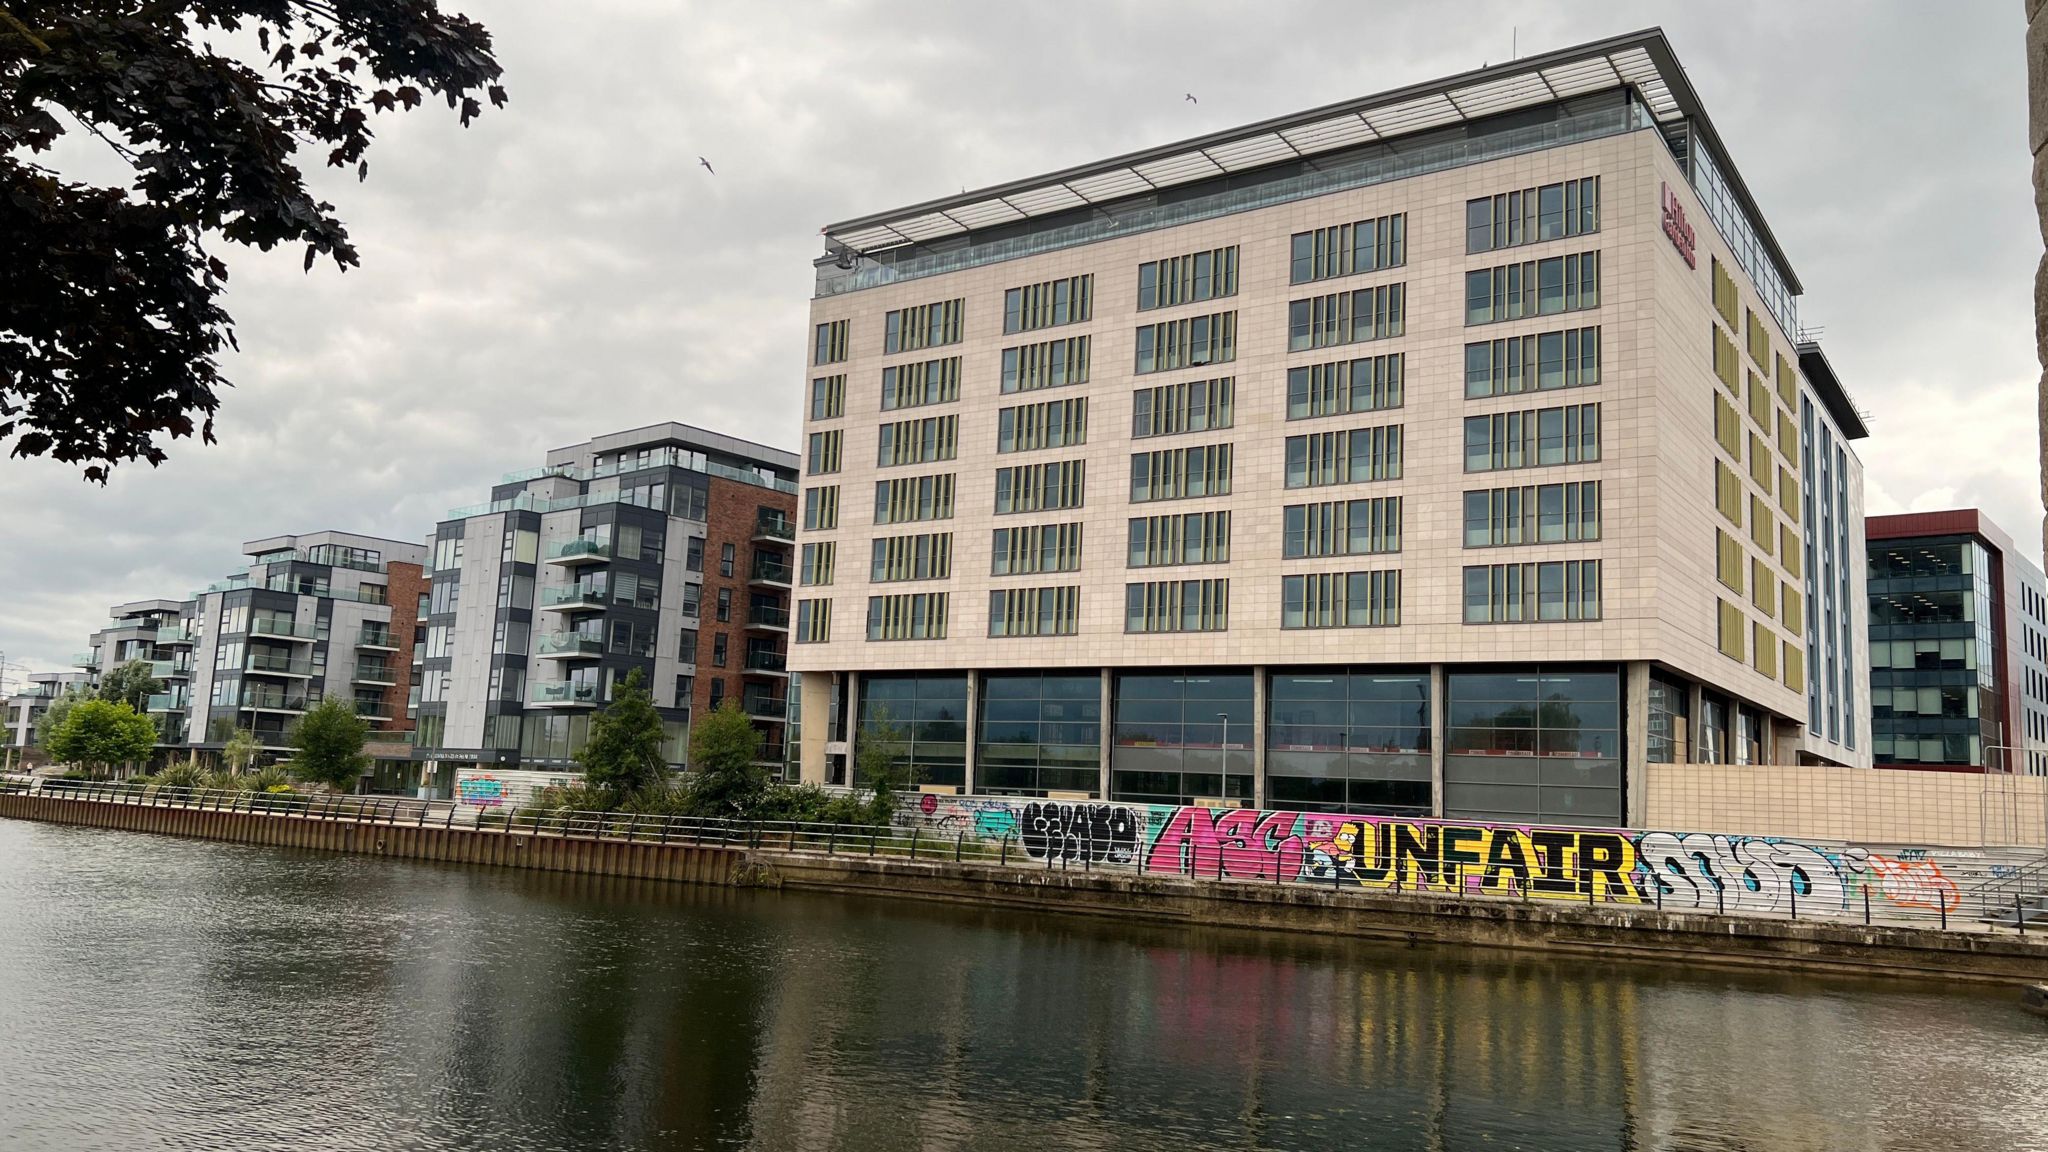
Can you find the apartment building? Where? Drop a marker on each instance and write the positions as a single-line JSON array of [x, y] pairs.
[[1448, 451], [19, 710], [311, 617], [665, 550], [1958, 645]]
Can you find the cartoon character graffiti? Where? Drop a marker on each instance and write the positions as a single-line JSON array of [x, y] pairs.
[[1331, 859]]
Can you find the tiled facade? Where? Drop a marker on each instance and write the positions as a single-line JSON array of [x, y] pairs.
[[1659, 601]]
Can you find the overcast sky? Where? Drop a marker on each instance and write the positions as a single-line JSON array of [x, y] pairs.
[[564, 268]]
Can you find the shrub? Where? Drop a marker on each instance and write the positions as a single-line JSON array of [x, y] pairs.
[[182, 775]]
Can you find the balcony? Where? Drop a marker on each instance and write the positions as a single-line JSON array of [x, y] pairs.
[[178, 635], [371, 709], [766, 661], [277, 629], [383, 674], [570, 646], [263, 665], [261, 701], [768, 619], [381, 638], [772, 755], [770, 570], [765, 707], [170, 669], [85, 660], [564, 694], [579, 551], [574, 598], [165, 702], [774, 529]]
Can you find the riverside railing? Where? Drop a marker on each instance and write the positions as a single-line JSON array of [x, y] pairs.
[[2001, 899]]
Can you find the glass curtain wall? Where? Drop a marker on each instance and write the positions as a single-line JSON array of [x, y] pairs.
[[1349, 740], [924, 719], [1535, 745], [1182, 736], [1933, 679], [1040, 733]]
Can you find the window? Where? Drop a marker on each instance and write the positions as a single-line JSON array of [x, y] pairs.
[[1788, 386], [1341, 600], [1728, 561], [1342, 528], [1538, 363], [923, 557], [1533, 514], [1788, 493], [828, 397], [1049, 365], [1763, 588], [1189, 342], [1045, 487], [813, 621], [821, 508], [1533, 288], [1178, 473], [1795, 667], [1727, 427], [726, 553], [1759, 339], [720, 648], [831, 344], [1348, 456], [1346, 317], [1726, 366], [1789, 552], [725, 605], [1725, 301], [1348, 249], [1761, 469], [693, 595], [815, 566], [1788, 437], [1048, 304], [1188, 279], [1524, 593], [1759, 402], [824, 454], [1533, 437], [915, 616], [1034, 611], [1191, 538], [921, 383], [1193, 406], [1532, 215], [693, 554], [1177, 606], [910, 498], [917, 441], [1046, 424], [686, 646], [1038, 733], [925, 326], [1731, 631], [1368, 384], [1036, 548]]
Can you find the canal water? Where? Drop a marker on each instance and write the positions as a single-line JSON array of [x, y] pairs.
[[162, 993]]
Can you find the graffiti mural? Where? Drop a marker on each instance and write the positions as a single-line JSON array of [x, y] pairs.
[[482, 791], [1679, 871]]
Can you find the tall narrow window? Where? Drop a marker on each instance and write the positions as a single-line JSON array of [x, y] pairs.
[[1188, 279]]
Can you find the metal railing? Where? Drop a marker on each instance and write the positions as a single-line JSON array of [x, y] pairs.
[[1998, 898]]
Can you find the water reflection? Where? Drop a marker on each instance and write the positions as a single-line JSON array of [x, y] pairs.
[[158, 992]]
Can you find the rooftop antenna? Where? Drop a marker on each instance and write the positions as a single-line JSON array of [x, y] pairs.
[[1514, 41]]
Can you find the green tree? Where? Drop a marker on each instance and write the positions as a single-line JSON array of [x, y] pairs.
[[110, 319], [130, 684], [875, 764], [623, 754], [240, 751], [98, 734], [52, 718], [723, 749], [327, 745]]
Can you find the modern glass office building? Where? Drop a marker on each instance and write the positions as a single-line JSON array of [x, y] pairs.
[[1447, 451]]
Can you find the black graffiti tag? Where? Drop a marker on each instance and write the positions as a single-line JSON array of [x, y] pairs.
[[1074, 832]]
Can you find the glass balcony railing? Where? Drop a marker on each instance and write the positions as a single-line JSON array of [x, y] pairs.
[[571, 551], [275, 626], [762, 616], [277, 665], [279, 701], [370, 637], [370, 708], [165, 702], [86, 659], [166, 669], [175, 636], [764, 660], [764, 706], [570, 644], [564, 692], [592, 594], [775, 527], [771, 569], [374, 674]]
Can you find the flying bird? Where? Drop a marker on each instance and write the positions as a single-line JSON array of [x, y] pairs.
[[1191, 98], [707, 165]]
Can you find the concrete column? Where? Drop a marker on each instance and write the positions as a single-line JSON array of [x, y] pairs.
[[973, 727], [849, 719], [815, 701], [1258, 737], [1695, 723], [1103, 740], [1437, 733], [1635, 741]]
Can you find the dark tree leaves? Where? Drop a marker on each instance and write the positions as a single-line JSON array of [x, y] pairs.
[[110, 323]]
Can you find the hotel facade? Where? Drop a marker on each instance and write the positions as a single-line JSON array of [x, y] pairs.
[[1447, 452]]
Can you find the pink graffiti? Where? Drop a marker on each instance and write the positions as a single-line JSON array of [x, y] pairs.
[[1242, 842], [1915, 883]]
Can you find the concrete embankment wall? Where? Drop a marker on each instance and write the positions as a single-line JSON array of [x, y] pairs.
[[1602, 930]]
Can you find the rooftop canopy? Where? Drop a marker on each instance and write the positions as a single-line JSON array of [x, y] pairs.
[[1642, 61]]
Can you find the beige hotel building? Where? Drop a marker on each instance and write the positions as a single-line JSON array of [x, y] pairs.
[[1452, 451]]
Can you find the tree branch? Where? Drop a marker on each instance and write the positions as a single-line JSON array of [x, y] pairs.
[[26, 33]]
